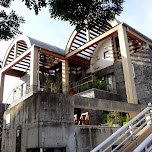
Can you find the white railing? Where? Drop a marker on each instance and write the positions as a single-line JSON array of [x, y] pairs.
[[144, 145], [126, 132], [17, 93]]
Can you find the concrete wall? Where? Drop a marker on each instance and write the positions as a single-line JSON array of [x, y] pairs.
[[88, 137], [56, 121], [143, 75], [25, 114], [98, 62], [47, 121]]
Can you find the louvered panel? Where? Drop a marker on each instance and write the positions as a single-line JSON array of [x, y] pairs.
[[21, 47], [81, 38]]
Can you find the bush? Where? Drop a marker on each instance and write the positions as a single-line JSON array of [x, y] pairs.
[[95, 83]]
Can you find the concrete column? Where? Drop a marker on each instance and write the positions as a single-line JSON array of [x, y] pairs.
[[65, 76], [2, 78], [127, 67], [34, 69]]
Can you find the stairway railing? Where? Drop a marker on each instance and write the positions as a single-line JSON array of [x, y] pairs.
[[126, 132], [144, 145]]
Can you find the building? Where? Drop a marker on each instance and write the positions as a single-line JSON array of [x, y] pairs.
[[116, 54]]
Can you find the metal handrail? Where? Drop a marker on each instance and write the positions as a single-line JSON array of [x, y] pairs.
[[144, 145], [122, 129], [17, 97]]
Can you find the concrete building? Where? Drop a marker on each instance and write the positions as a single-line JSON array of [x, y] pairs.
[[117, 55]]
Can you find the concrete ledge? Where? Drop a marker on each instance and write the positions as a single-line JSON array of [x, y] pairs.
[[107, 105], [100, 94]]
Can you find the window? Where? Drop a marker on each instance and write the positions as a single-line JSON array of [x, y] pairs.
[[111, 83], [106, 54]]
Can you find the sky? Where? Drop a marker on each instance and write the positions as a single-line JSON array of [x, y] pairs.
[[136, 13]]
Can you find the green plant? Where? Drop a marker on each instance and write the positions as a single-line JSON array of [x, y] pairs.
[[48, 82], [116, 118], [104, 118], [121, 120], [127, 120], [95, 83]]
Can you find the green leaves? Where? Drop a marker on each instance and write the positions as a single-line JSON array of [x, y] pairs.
[[74, 11], [36, 5], [9, 25]]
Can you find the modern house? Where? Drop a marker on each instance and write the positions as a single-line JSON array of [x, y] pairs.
[[116, 56]]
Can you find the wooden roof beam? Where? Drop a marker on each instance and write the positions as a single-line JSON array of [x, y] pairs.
[[15, 73], [137, 35], [17, 60], [94, 41], [51, 53]]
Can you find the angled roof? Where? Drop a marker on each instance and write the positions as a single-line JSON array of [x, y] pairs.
[[46, 46]]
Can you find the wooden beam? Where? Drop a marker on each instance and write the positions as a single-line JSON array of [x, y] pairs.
[[82, 53], [15, 50], [52, 64], [76, 62], [17, 60], [137, 35], [34, 69], [65, 76], [51, 53], [127, 67], [2, 78], [15, 73], [69, 44], [92, 42]]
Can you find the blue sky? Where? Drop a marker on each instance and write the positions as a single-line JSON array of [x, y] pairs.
[[136, 13]]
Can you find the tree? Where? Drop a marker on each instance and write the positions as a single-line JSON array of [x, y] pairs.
[[77, 12], [9, 23]]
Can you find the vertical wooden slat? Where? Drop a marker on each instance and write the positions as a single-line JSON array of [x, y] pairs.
[[65, 76], [34, 69], [2, 78]]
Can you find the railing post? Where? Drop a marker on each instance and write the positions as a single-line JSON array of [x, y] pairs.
[[150, 114], [100, 150], [146, 150], [132, 132]]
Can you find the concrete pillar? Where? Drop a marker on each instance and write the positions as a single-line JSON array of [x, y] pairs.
[[2, 78], [65, 76], [127, 67], [34, 70]]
